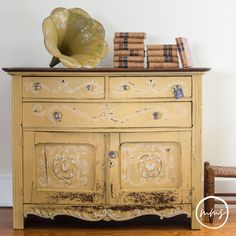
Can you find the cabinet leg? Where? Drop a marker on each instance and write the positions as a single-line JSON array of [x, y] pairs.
[[194, 223], [18, 219]]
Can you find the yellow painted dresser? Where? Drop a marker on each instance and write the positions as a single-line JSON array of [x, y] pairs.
[[106, 144]]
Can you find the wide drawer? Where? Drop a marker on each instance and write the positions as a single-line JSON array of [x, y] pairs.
[[98, 115], [148, 87], [63, 87]]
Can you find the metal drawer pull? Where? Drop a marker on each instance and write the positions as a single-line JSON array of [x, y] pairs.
[[57, 116], [156, 115], [37, 86], [112, 154], [126, 87], [178, 91], [89, 87]]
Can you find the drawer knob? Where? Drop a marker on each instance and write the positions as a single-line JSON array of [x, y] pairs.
[[112, 154], [156, 115], [126, 87], [178, 91], [89, 87], [37, 86], [57, 116]]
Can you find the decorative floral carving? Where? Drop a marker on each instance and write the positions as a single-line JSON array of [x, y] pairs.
[[149, 166], [150, 86], [62, 86], [110, 113], [36, 108], [64, 167], [99, 213], [144, 165]]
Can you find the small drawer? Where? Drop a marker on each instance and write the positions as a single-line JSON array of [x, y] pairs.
[[101, 115], [63, 87], [149, 87]]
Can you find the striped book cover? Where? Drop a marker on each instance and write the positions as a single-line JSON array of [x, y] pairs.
[[139, 35], [152, 47], [128, 65], [155, 53], [128, 59], [163, 59], [184, 52], [128, 40], [126, 46], [163, 65], [129, 53]]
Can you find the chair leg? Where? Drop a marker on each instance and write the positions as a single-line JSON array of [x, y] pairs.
[[206, 167], [211, 192]]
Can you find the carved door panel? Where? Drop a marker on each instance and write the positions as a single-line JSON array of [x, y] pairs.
[[150, 168], [61, 168]]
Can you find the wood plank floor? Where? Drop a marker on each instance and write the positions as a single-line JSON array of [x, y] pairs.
[[144, 226]]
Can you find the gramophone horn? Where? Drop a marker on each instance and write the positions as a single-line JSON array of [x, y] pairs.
[[73, 38]]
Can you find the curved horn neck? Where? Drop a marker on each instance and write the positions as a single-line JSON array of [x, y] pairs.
[[54, 62]]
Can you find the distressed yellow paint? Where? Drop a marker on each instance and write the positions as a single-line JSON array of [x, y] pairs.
[[17, 153], [80, 154], [148, 87], [173, 149], [107, 145], [63, 87], [170, 114]]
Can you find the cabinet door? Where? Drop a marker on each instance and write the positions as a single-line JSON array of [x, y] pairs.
[[62, 168], [150, 168]]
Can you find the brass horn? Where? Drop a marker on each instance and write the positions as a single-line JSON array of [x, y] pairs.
[[73, 38]]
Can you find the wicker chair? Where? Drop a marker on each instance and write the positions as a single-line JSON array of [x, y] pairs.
[[210, 172]]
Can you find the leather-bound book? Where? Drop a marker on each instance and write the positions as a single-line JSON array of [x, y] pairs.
[[163, 59], [163, 65], [128, 40], [152, 47], [128, 59], [131, 52], [166, 52], [127, 46], [128, 65], [140, 35], [184, 52]]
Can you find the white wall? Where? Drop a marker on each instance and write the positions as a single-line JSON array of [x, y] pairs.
[[208, 24]]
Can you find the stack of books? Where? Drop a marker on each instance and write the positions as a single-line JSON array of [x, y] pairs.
[[162, 56], [129, 50]]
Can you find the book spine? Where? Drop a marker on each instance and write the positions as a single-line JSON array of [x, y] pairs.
[[155, 53], [161, 47], [163, 59], [128, 40], [184, 52], [128, 59], [128, 65], [140, 35], [129, 53], [127, 46], [163, 65]]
